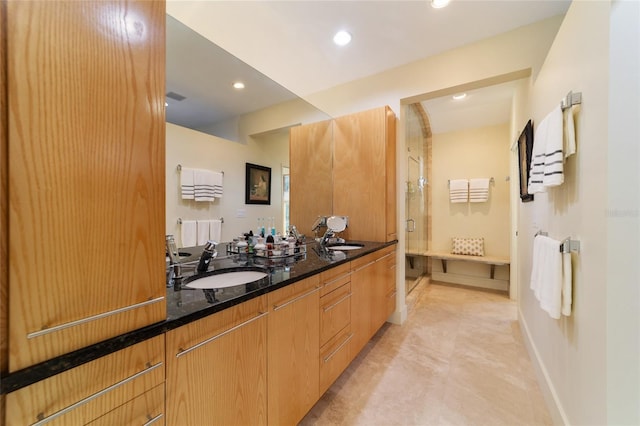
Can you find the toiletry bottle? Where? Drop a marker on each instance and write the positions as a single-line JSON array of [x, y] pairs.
[[273, 226]]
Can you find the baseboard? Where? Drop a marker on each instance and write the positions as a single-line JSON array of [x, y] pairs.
[[494, 284], [399, 316], [558, 415]]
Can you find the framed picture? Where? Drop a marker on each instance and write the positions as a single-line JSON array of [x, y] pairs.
[[525, 148], [258, 184]]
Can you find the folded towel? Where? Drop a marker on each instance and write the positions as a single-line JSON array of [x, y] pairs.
[[204, 183], [189, 233], [479, 190], [215, 230], [458, 190], [567, 279], [186, 183], [203, 232], [569, 141], [546, 274], [217, 180], [554, 150]]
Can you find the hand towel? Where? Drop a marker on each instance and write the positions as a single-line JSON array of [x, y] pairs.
[[569, 140], [203, 181], [554, 150], [458, 190], [215, 230], [567, 280], [203, 232], [479, 190], [188, 233], [546, 274], [217, 180], [186, 183]]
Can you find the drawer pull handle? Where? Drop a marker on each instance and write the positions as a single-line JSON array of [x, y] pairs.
[[365, 266], [295, 299], [384, 257], [153, 420], [332, 354], [342, 299], [92, 318], [392, 294], [336, 279], [217, 336], [96, 395]]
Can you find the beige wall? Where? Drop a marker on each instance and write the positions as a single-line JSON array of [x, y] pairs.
[[194, 149], [571, 351]]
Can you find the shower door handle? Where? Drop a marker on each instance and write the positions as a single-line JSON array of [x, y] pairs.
[[411, 225]]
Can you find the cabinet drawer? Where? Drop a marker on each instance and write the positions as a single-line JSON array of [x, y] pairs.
[[390, 302], [364, 261], [335, 356], [286, 295], [335, 312], [334, 278], [146, 409], [86, 392]]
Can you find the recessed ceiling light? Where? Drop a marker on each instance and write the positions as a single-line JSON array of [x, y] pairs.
[[238, 85], [439, 4], [342, 38], [459, 96]]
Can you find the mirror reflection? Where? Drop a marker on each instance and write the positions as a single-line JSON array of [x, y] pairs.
[[214, 127]]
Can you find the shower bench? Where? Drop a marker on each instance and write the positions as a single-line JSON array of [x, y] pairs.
[[444, 257]]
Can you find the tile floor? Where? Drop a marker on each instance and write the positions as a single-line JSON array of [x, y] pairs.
[[459, 359]]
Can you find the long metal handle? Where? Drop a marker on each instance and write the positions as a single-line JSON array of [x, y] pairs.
[[217, 336], [295, 299], [385, 256], [336, 279], [96, 395], [92, 318], [365, 265], [332, 354], [392, 294], [328, 308], [153, 420]]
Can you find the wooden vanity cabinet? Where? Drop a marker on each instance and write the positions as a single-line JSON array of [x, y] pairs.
[[217, 368], [293, 351], [86, 126], [115, 389], [364, 174]]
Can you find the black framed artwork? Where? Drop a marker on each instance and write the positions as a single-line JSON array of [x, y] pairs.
[[525, 148], [258, 184]]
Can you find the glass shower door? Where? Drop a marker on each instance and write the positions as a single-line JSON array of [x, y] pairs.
[[415, 229]]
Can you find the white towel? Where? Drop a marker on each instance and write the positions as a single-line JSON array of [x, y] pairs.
[[186, 183], [569, 140], [458, 190], [554, 149], [217, 180], [203, 182], [203, 232], [546, 274], [567, 280], [479, 190], [215, 230], [189, 233]]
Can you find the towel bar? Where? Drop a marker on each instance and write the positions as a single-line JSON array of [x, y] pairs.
[[180, 220], [491, 180], [567, 246], [571, 99], [179, 167]]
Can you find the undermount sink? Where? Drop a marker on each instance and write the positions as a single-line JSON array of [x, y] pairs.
[[225, 279], [349, 246]]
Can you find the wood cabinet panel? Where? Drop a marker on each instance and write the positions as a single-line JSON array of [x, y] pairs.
[[335, 312], [311, 186], [86, 183], [335, 277], [293, 351], [127, 373], [146, 409], [364, 174], [335, 357], [217, 368], [362, 279]]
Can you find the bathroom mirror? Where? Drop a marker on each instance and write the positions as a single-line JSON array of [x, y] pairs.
[[233, 127]]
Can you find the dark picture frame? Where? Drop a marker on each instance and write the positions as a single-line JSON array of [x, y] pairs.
[[525, 149], [258, 184]]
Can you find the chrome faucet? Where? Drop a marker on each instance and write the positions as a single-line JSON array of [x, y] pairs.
[[174, 274], [208, 253]]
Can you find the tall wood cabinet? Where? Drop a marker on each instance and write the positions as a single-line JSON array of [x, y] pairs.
[[311, 186], [364, 173], [85, 110]]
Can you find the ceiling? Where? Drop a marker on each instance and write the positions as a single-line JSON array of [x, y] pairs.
[[291, 41]]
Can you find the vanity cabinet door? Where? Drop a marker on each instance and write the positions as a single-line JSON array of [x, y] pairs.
[[217, 368], [294, 351], [311, 186], [362, 284], [86, 209], [384, 288], [364, 174]]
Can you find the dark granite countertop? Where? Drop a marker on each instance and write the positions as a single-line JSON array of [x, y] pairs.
[[187, 305]]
